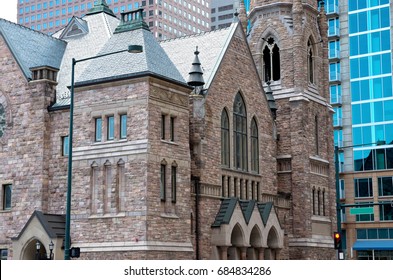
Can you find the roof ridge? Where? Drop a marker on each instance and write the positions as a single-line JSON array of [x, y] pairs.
[[29, 29], [194, 35]]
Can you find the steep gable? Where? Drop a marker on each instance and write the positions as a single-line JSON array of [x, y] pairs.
[[32, 48]]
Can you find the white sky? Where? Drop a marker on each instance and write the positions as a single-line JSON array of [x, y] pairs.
[[8, 10]]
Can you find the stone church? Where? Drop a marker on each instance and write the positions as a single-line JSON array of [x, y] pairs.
[[217, 145]]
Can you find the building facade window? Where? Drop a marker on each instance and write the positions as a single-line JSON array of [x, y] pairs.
[[385, 186], [254, 146], [364, 217], [225, 138], [2, 120], [316, 135], [123, 126], [310, 62], [386, 212], [110, 128], [240, 133], [363, 187], [163, 181], [65, 145], [7, 193], [163, 119], [3, 254], [174, 182], [98, 130], [271, 60], [172, 128]]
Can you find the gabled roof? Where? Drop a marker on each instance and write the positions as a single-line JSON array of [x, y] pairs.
[[75, 27], [100, 28], [32, 48], [53, 224], [247, 207], [153, 60], [211, 45]]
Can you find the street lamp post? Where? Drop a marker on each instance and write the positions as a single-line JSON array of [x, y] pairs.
[[67, 241]]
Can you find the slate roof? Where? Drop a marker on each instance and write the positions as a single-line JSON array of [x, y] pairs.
[[53, 224], [228, 205], [100, 28], [212, 46], [153, 59], [32, 48]]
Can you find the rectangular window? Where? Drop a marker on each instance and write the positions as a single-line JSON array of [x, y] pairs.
[[110, 128], [123, 126], [65, 145], [363, 187], [163, 127], [98, 130], [386, 212], [385, 186], [7, 189], [173, 183], [364, 217], [172, 128], [163, 182], [3, 254]]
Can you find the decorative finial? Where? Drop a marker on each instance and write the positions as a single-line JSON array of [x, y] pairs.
[[196, 74]]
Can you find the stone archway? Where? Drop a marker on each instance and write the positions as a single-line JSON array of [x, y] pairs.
[[237, 241], [271, 252], [255, 242], [30, 252]]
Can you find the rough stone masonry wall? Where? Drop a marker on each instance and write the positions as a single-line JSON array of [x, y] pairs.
[[22, 160]]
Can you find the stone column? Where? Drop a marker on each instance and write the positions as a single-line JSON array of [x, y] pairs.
[[243, 253], [223, 252], [261, 253]]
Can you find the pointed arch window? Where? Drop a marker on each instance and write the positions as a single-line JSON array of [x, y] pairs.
[[310, 61], [254, 146], [316, 132], [271, 61], [2, 120], [224, 138], [240, 133]]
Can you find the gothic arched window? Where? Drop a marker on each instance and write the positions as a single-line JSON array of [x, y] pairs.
[[240, 133], [224, 138], [2, 120], [310, 62], [271, 61], [254, 146]]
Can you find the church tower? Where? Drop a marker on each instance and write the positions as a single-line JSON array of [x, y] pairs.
[[289, 45]]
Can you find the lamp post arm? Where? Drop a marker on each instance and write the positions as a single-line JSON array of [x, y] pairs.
[[75, 61]]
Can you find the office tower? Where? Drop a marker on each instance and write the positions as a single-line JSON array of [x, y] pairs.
[[166, 19], [360, 74], [222, 12]]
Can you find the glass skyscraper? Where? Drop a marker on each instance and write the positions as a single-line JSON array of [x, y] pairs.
[[360, 74]]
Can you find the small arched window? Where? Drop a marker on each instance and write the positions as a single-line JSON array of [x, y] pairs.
[[254, 146], [316, 133], [310, 61], [2, 120], [271, 61], [224, 138], [240, 133]]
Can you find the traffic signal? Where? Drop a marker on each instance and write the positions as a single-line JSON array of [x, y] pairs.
[[337, 240]]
